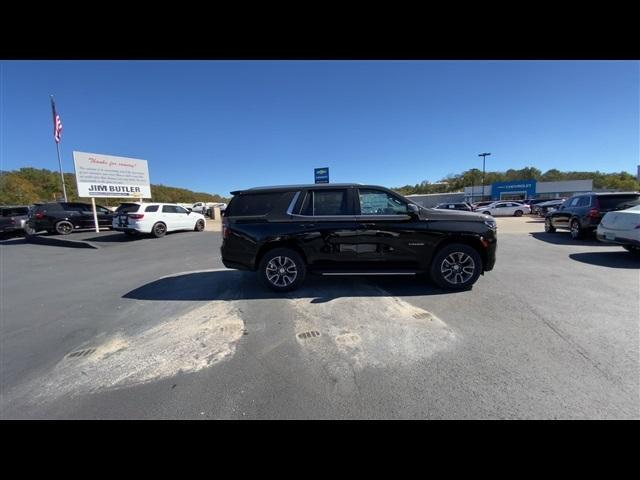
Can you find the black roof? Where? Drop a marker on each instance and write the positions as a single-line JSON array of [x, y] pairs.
[[290, 188]]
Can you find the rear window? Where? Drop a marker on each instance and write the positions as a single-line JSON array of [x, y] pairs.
[[14, 212], [618, 202], [252, 204], [129, 208]]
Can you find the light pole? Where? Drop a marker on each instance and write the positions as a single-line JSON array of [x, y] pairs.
[[483, 155]]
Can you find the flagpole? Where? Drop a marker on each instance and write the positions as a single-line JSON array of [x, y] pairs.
[[57, 140], [64, 190]]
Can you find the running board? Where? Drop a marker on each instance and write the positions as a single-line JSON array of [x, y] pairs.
[[369, 273]]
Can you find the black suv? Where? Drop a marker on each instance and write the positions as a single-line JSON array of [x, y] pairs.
[[336, 229], [65, 217], [582, 213]]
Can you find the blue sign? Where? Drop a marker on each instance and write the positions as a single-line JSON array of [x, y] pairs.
[[526, 188], [322, 175]]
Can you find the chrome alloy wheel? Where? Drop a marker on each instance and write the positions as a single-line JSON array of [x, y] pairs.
[[281, 271], [457, 268]]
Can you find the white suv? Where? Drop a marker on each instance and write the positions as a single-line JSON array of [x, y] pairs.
[[156, 219]]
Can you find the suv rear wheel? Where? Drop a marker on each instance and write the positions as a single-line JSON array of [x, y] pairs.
[[456, 267], [576, 231], [282, 269], [159, 230], [199, 226], [64, 227]]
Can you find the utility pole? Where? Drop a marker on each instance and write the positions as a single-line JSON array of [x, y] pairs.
[[483, 155]]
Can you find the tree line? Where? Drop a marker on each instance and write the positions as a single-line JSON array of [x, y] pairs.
[[32, 185], [623, 181]]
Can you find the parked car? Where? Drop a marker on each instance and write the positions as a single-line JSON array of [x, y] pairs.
[[622, 228], [478, 205], [581, 214], [285, 232], [454, 206], [501, 208], [534, 204], [549, 206], [157, 219], [65, 217], [13, 218]]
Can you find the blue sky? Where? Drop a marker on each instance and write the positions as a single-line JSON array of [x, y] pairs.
[[216, 126]]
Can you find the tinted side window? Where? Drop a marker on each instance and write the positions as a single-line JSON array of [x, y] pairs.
[[168, 209], [573, 202], [151, 208], [180, 209], [251, 204], [326, 202]]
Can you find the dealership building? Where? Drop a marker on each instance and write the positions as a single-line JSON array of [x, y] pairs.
[[516, 190], [525, 189]]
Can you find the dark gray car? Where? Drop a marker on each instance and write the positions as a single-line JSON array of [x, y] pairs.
[[13, 218], [581, 214]]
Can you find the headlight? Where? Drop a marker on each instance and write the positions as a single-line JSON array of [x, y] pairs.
[[491, 224]]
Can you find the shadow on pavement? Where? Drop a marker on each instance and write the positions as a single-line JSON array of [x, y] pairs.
[[118, 237], [237, 285], [621, 259], [13, 241], [564, 238]]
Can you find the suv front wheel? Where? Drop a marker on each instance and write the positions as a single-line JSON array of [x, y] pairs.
[[282, 269], [456, 267]]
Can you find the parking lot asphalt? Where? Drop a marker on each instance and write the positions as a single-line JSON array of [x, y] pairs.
[[158, 328]]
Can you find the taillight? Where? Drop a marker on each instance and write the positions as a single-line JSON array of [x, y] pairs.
[[136, 216], [13, 221], [225, 231], [39, 215], [593, 213]]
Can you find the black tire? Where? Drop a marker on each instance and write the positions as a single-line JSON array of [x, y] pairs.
[[548, 227], [282, 269], [632, 249], [517, 213], [64, 227], [456, 267], [575, 230], [199, 226], [159, 230]]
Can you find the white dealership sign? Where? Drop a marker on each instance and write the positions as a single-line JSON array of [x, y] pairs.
[[106, 176]]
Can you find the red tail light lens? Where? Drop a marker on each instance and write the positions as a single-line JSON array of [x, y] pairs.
[[225, 231], [593, 213], [136, 216], [39, 215]]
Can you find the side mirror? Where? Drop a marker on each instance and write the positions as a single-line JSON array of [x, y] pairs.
[[412, 209]]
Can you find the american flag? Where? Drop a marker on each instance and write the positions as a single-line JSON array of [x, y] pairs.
[[57, 123]]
